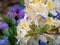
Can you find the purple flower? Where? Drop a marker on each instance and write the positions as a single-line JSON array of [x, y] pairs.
[[1, 42], [16, 12], [4, 41], [58, 15], [3, 25], [42, 43]]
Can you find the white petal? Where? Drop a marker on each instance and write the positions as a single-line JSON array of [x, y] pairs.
[[53, 12]]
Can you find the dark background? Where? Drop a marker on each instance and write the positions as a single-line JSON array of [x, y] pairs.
[[4, 4]]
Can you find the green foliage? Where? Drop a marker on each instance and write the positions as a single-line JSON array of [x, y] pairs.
[[22, 2], [37, 30], [8, 21], [11, 33], [44, 28]]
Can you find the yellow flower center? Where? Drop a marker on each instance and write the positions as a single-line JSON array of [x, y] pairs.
[[44, 1], [24, 25], [41, 7], [30, 7], [49, 5], [38, 1], [49, 21]]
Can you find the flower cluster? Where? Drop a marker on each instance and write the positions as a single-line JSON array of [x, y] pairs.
[[15, 12], [39, 12]]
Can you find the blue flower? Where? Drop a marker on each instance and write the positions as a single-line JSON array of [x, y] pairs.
[[42, 43], [3, 25], [58, 15], [16, 12], [4, 41]]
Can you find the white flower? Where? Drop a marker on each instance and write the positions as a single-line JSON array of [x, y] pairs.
[[24, 24], [50, 4], [57, 4], [22, 30], [43, 38], [26, 2], [50, 21], [56, 23], [30, 12], [58, 40], [53, 6], [53, 12], [43, 10]]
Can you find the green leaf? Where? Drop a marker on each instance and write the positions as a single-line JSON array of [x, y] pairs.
[[8, 21], [12, 40], [22, 2], [44, 28], [37, 29], [6, 32], [12, 32]]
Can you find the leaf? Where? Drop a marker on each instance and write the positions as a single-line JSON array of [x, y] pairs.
[[12, 40], [37, 29], [8, 21], [12, 32], [6, 32], [30, 33], [22, 2], [44, 28]]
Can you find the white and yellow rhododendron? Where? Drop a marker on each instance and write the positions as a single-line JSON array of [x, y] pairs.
[[35, 10], [43, 7]]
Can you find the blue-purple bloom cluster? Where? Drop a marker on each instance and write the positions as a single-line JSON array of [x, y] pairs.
[[14, 12], [57, 16], [42, 43], [4, 41], [3, 25]]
